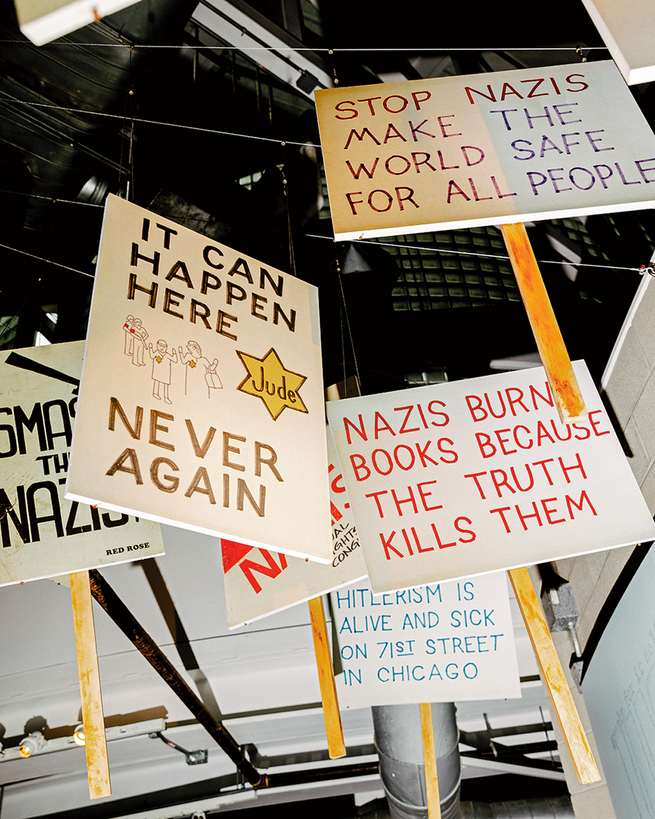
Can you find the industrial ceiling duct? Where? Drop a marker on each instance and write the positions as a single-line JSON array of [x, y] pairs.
[[398, 738]]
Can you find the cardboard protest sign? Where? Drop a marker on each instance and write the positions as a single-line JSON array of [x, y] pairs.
[[439, 642], [473, 476], [258, 583], [484, 149], [41, 534], [627, 29], [201, 403]]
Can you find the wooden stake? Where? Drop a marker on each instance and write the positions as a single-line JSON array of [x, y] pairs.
[[333, 727], [97, 763], [553, 352], [553, 677], [430, 762]]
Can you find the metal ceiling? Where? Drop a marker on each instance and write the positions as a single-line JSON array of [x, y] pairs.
[[158, 103]]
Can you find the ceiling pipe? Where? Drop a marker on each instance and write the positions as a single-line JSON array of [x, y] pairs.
[[398, 738], [128, 624]]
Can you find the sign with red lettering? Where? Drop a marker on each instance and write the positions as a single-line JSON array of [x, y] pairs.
[[41, 534], [202, 390], [484, 149], [627, 30], [473, 476], [258, 583], [440, 642]]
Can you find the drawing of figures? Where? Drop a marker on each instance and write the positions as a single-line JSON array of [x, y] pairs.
[[139, 336], [161, 369], [128, 327], [200, 376]]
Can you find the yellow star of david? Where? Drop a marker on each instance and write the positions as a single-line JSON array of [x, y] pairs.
[[269, 380]]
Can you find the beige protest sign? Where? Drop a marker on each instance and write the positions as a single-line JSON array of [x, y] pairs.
[[439, 642], [484, 149], [473, 476], [258, 583], [41, 533], [201, 403], [627, 29]]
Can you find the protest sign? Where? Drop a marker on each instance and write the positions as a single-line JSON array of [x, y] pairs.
[[486, 149], [258, 583], [627, 29], [201, 403], [42, 534], [477, 475], [439, 642]]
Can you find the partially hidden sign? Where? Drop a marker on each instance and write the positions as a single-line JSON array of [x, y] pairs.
[[477, 475], [439, 642], [627, 30], [258, 583], [41, 533], [201, 403], [484, 149]]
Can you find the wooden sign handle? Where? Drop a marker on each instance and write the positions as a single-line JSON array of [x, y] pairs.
[[430, 762], [93, 719], [333, 727], [553, 677], [553, 352]]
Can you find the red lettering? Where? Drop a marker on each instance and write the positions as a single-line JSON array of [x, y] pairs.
[[470, 532], [386, 545], [361, 431], [438, 539], [358, 463], [549, 512], [381, 425], [270, 570], [595, 424], [484, 443]]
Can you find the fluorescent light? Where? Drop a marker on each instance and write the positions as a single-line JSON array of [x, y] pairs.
[[233, 26]]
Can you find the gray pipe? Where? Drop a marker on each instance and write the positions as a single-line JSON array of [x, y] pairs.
[[399, 741]]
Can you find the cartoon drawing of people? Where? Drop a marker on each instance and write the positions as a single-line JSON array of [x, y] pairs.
[[161, 369], [139, 336], [128, 327], [200, 376]]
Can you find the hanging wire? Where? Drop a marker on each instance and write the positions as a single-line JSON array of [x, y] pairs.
[[317, 50], [343, 310], [496, 258], [55, 200], [130, 105], [335, 79], [436, 251], [285, 183], [124, 118], [47, 261], [10, 324]]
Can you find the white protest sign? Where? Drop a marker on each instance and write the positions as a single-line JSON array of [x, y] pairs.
[[484, 149], [627, 29], [201, 403], [258, 583], [41, 534], [477, 475], [435, 643]]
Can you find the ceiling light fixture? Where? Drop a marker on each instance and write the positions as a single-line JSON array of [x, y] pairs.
[[78, 735], [35, 742], [31, 744]]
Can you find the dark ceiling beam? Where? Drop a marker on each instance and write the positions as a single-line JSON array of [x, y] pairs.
[[128, 624]]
